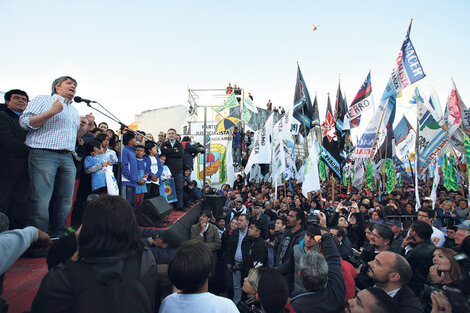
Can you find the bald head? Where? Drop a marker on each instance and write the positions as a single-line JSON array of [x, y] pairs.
[[389, 271]]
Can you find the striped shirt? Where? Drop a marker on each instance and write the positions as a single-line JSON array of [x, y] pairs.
[[57, 133]]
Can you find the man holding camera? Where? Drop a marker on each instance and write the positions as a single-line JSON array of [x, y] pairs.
[[190, 151]]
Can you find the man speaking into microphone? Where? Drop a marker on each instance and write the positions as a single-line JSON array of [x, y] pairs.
[[54, 126]]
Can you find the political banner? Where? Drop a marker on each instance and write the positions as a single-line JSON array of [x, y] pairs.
[[218, 154], [377, 125], [432, 137], [361, 103], [407, 71]]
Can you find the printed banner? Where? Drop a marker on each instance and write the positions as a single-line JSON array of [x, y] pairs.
[[168, 190]]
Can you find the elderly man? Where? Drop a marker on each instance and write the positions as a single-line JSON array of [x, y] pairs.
[[14, 180], [54, 125]]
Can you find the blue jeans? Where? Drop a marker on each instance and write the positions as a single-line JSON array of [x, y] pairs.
[[179, 189], [128, 192], [52, 180], [237, 286]]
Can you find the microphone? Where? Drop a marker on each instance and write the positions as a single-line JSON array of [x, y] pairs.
[[80, 99]]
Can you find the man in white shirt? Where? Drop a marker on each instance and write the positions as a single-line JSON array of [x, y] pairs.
[[189, 272], [427, 215]]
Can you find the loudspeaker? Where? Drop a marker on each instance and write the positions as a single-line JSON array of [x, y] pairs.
[[152, 211], [215, 203]]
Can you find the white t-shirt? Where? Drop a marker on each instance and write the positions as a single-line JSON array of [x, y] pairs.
[[197, 303]]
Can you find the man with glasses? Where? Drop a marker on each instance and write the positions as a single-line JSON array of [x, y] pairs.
[[427, 215], [14, 180]]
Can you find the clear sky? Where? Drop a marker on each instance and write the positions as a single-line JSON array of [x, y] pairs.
[[141, 55]]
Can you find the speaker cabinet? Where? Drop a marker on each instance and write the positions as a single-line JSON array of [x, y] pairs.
[[152, 212], [214, 203]]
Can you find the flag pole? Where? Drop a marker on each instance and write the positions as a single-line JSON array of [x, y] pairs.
[[372, 149]]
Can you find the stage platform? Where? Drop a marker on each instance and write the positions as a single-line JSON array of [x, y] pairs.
[[23, 279]]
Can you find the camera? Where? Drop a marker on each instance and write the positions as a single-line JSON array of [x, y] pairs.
[[312, 218]]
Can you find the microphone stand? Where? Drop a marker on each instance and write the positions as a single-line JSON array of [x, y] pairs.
[[123, 126]]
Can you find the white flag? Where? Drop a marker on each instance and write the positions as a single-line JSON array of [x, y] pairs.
[[435, 184], [261, 152], [311, 181]]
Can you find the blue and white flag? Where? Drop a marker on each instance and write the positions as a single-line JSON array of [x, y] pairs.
[[407, 71], [432, 137]]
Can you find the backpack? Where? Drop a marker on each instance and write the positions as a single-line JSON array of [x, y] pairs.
[[116, 293]]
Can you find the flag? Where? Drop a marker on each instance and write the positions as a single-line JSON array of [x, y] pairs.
[[331, 151], [249, 105], [361, 103], [340, 111], [231, 102], [377, 125], [304, 111], [168, 190], [407, 71], [435, 184], [358, 174], [452, 175], [311, 182], [391, 180], [405, 138], [369, 179], [418, 202], [261, 152], [322, 170], [435, 102], [432, 137]]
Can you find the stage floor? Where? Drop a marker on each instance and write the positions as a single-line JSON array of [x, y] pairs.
[[23, 279]]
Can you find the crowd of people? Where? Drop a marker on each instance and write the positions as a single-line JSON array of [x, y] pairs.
[[269, 251]]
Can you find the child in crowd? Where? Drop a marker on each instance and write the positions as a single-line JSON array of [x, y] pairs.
[[108, 154], [156, 169], [143, 170], [166, 173], [95, 165], [129, 168]]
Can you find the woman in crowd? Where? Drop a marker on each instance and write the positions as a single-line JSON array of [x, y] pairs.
[[356, 231], [446, 215], [250, 288], [377, 216]]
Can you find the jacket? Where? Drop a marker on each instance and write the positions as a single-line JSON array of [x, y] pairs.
[[174, 156], [407, 301], [285, 253], [211, 238], [420, 259], [56, 295], [129, 166], [189, 153], [232, 244], [13, 151], [331, 298], [254, 254]]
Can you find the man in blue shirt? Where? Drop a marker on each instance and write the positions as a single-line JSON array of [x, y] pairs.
[[14, 180], [54, 126], [236, 147]]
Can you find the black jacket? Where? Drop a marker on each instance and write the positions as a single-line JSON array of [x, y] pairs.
[[56, 295], [285, 253], [189, 153], [255, 254], [420, 259], [331, 298], [232, 246], [407, 301], [13, 151], [174, 156]]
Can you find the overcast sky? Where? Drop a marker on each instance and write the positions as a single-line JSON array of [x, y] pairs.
[[141, 55]]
